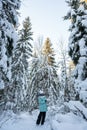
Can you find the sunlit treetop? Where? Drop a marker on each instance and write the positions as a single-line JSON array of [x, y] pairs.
[[83, 1], [48, 52], [47, 47]]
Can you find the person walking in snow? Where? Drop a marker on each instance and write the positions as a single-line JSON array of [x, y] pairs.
[[42, 108]]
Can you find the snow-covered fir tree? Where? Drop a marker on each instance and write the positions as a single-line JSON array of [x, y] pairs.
[[81, 68], [78, 47], [21, 55], [25, 36], [8, 22], [8, 38]]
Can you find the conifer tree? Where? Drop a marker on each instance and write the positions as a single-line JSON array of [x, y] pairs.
[[72, 15], [78, 48], [22, 53], [8, 38], [81, 68], [25, 36], [8, 21]]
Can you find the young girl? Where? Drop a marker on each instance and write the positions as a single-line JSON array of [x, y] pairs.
[[42, 108]]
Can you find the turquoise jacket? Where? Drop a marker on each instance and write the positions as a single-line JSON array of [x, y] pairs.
[[42, 103]]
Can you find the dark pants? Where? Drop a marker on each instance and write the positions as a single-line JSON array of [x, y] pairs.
[[41, 118]]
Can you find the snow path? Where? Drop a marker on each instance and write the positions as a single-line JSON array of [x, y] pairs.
[[25, 121]]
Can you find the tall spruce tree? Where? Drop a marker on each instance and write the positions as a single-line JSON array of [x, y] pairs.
[[22, 53], [25, 36], [78, 48], [72, 15], [8, 38], [8, 21], [81, 68]]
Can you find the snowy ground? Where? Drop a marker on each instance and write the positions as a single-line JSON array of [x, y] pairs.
[[59, 121]]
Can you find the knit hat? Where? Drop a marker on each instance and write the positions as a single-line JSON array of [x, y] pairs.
[[41, 93]]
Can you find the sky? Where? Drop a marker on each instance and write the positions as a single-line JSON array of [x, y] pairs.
[[46, 18]]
